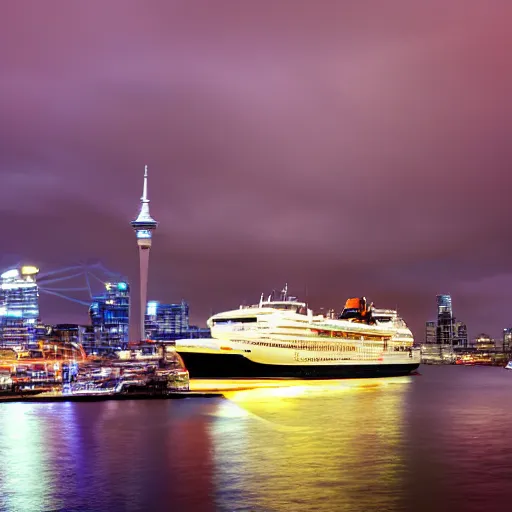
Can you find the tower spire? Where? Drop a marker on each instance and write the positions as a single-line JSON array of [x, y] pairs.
[[144, 215], [144, 225], [144, 198]]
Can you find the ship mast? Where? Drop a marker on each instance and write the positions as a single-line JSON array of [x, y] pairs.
[[284, 292]]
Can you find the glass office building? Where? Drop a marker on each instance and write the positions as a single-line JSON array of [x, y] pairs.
[[430, 333], [444, 320], [110, 315], [19, 306], [460, 335], [166, 321]]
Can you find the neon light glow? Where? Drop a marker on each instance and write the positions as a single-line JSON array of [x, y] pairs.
[[29, 270], [152, 307], [10, 274], [14, 313], [143, 233], [12, 286]]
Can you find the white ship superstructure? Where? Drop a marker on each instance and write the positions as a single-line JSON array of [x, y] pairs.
[[284, 338]]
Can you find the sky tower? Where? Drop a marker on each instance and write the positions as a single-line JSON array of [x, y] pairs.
[[144, 225]]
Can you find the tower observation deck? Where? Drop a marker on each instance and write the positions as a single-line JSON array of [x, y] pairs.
[[144, 225]]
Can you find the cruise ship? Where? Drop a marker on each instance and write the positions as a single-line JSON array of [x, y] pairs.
[[284, 339]]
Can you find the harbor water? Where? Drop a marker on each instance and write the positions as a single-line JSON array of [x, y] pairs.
[[440, 440]]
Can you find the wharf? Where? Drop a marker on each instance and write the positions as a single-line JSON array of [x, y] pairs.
[[199, 388], [59, 397]]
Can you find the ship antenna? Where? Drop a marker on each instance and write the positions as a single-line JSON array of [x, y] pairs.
[[261, 299]]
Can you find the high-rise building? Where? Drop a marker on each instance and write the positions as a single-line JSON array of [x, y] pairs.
[[110, 315], [430, 333], [444, 320], [166, 321], [446, 331], [144, 225], [507, 339], [460, 335], [19, 306], [444, 305]]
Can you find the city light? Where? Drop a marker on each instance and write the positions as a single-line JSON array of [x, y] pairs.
[[152, 307], [10, 274], [29, 270], [12, 286]]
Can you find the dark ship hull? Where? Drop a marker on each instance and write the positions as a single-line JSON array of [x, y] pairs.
[[230, 366]]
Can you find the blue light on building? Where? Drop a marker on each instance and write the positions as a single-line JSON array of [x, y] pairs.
[[19, 306], [166, 322], [110, 315]]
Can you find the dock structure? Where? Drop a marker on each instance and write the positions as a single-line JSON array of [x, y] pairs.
[[65, 371]]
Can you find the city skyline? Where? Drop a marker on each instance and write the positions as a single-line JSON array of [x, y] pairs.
[[444, 303], [366, 157]]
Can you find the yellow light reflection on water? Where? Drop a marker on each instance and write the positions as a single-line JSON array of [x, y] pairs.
[[322, 445], [226, 385]]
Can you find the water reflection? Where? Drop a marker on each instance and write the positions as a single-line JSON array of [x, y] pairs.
[[113, 456], [335, 446], [434, 442], [25, 479]]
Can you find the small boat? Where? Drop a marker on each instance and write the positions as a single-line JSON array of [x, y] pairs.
[[509, 365]]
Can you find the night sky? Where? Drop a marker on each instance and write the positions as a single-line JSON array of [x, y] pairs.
[[348, 148]]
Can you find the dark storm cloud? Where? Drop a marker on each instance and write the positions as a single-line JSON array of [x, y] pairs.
[[347, 147]]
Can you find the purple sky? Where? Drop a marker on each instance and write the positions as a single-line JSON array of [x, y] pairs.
[[353, 147]]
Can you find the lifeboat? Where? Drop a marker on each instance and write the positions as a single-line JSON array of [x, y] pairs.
[[357, 309]]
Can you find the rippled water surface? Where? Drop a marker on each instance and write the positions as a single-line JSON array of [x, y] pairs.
[[437, 441]]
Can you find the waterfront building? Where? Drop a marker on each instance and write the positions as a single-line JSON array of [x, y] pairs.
[[73, 333], [19, 306], [444, 320], [144, 225], [507, 339], [460, 335], [446, 331], [430, 333], [41, 332], [484, 343], [83, 335], [110, 315], [67, 333], [166, 321]]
